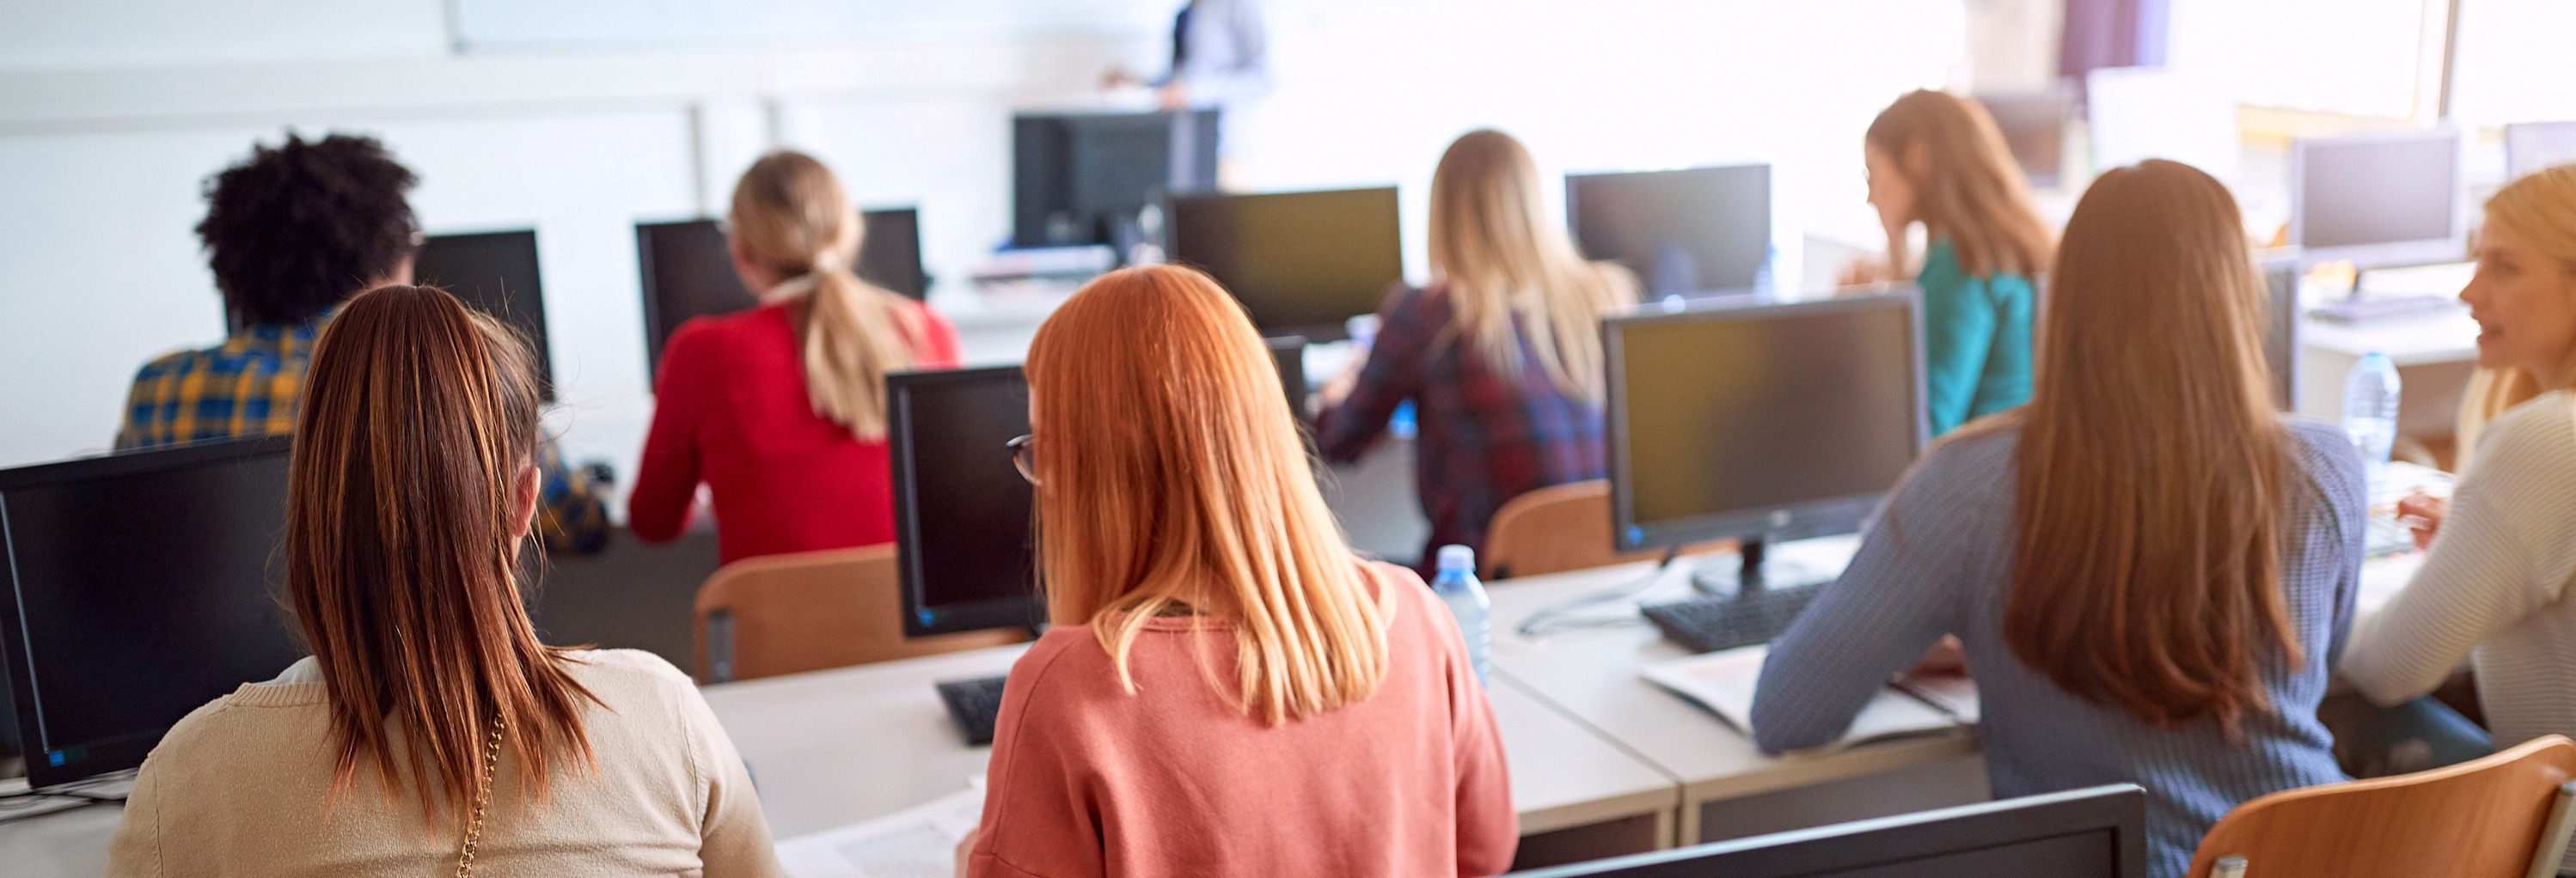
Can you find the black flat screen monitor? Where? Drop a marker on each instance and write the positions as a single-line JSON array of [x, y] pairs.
[[1082, 178], [2098, 832], [1778, 421], [140, 587], [2034, 128], [496, 273], [965, 555], [2379, 200], [1301, 262], [1290, 354], [687, 270], [1685, 233]]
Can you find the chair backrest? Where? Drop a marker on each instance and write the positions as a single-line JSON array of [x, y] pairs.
[[2504, 816], [1559, 528], [785, 614]]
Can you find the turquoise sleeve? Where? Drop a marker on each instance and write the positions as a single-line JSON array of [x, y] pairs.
[[1958, 330]]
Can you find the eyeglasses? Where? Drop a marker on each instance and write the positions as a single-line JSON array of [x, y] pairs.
[[1024, 458]]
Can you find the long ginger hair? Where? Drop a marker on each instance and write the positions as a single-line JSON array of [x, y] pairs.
[[419, 418], [2146, 572], [1171, 479], [791, 217], [1970, 191], [1508, 265]]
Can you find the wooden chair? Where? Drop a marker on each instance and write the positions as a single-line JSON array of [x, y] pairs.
[[2503, 816], [784, 614], [1559, 528]]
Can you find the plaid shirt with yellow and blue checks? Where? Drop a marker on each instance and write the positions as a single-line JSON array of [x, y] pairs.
[[249, 386]]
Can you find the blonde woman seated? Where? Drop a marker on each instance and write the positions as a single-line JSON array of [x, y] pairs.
[[430, 733], [2493, 589], [1228, 690]]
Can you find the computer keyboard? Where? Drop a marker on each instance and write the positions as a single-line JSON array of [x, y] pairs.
[[974, 704], [1722, 622]]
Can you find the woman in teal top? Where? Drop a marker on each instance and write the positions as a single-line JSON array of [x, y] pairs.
[[1937, 159]]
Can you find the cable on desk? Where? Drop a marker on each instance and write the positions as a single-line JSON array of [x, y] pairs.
[[1548, 619]]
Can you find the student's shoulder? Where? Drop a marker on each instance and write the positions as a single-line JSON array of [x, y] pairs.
[[2547, 422], [617, 676], [178, 362], [724, 330], [2535, 442]]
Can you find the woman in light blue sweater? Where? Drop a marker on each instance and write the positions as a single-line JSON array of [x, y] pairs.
[[1937, 159], [2150, 571]]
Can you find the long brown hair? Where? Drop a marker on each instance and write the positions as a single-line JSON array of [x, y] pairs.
[[417, 420], [1170, 478], [2152, 467], [1970, 191], [2540, 208], [1507, 264], [791, 217]]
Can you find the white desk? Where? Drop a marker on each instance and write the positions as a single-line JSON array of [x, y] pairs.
[[835, 747], [1729, 787]]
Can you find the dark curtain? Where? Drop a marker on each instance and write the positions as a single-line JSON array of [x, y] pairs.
[[2112, 33]]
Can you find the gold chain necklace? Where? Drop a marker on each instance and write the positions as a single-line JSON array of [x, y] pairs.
[[474, 830]]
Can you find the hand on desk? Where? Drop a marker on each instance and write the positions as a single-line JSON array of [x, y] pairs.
[[1945, 658], [966, 847], [1867, 272], [2423, 513]]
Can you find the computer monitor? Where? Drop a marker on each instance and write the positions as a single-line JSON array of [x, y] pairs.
[[2034, 128], [2531, 146], [965, 554], [2378, 200], [2281, 327], [890, 251], [496, 273], [687, 270], [1301, 262], [1685, 233], [1760, 422], [1289, 352], [140, 586], [2097, 832], [1083, 178]]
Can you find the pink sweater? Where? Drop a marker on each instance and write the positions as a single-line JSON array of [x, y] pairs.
[[1088, 780]]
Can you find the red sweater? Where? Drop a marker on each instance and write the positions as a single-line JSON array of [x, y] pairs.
[[730, 410], [1089, 780]]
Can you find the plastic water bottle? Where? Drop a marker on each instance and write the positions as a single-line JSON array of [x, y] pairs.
[[2370, 415], [1457, 586]]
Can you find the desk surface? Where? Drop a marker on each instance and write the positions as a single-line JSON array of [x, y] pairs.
[[1592, 674], [835, 747]]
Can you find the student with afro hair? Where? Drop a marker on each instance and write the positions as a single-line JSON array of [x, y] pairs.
[[291, 233]]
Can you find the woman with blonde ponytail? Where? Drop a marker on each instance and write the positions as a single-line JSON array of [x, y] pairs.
[[1502, 352], [780, 410], [2493, 588]]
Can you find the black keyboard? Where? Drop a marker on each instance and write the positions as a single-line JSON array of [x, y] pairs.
[[974, 704], [1713, 623]]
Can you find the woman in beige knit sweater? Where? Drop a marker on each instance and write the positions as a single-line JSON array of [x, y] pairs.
[[430, 733]]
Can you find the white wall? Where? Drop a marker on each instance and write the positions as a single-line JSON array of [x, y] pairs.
[[111, 113]]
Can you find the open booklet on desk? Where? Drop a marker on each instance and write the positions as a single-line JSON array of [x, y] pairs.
[[917, 842], [1723, 683]]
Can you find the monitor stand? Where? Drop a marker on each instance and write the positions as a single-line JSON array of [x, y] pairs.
[[1750, 573]]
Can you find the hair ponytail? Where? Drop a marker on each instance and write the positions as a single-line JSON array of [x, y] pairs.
[[790, 214]]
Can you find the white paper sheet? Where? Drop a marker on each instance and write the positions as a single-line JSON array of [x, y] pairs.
[[917, 842]]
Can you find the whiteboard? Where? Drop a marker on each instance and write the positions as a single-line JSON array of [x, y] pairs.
[[505, 24]]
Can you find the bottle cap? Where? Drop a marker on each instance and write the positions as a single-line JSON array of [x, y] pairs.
[[1457, 558]]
